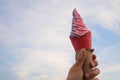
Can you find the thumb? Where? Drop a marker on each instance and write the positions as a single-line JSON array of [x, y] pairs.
[[81, 56]]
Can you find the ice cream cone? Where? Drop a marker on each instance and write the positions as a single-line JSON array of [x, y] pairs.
[[81, 39]]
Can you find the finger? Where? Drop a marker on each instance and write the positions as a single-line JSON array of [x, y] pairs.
[[93, 63], [92, 73], [94, 56], [94, 79], [81, 55]]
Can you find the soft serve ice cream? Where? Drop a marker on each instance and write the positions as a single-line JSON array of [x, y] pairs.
[[80, 35]]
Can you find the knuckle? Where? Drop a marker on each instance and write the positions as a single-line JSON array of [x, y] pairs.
[[93, 73]]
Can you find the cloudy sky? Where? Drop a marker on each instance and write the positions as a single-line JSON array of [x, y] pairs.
[[34, 37]]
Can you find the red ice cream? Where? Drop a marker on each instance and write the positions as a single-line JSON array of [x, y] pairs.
[[80, 36]]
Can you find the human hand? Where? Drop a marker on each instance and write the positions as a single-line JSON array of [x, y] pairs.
[[76, 72]]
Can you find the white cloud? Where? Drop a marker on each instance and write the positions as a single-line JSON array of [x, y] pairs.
[[110, 69], [110, 72], [42, 28], [109, 62], [42, 65], [109, 20], [110, 49], [109, 17]]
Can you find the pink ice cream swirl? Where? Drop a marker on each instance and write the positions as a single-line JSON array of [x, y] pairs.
[[78, 27]]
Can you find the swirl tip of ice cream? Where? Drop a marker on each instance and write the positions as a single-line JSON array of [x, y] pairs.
[[78, 27], [76, 14]]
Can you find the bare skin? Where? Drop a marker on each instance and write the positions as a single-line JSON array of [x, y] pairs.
[[76, 73]]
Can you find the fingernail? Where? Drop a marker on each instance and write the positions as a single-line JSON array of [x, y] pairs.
[[93, 65], [80, 54], [82, 51], [87, 75]]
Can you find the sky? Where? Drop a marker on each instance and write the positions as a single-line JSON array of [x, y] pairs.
[[34, 37]]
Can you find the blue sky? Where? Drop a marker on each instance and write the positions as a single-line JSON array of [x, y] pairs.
[[34, 37]]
